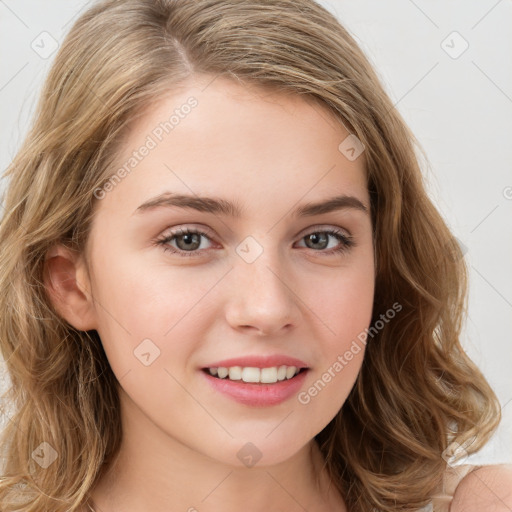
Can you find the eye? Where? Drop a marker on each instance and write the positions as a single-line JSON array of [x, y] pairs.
[[187, 241], [319, 241]]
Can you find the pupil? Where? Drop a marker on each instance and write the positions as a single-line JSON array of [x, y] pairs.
[[189, 238], [318, 238]]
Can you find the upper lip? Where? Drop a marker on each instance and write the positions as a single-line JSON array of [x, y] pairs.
[[255, 361]]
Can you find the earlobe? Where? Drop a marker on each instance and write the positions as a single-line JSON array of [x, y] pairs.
[[67, 287]]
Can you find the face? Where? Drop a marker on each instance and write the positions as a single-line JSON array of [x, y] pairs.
[[221, 246]]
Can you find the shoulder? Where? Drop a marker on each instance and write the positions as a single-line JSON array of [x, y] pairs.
[[485, 488]]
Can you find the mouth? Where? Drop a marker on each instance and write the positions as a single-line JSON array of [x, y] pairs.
[[255, 375]]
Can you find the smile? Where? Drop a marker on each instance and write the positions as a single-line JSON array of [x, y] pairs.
[[249, 374]]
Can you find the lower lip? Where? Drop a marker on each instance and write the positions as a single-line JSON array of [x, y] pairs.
[[257, 395]]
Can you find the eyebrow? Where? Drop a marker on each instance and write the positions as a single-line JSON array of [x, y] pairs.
[[223, 207]]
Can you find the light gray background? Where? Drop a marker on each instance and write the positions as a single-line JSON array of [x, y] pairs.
[[459, 105]]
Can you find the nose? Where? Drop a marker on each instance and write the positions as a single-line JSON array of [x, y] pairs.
[[261, 298]]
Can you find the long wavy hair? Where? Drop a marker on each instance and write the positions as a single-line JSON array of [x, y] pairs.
[[417, 393]]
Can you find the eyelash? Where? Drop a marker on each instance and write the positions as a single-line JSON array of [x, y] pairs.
[[347, 242]]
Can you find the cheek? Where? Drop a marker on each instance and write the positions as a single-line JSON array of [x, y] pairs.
[[149, 327], [146, 298], [343, 303], [138, 302], [325, 392], [344, 307], [154, 317], [141, 300]]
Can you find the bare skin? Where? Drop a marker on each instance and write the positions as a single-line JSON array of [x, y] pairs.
[[268, 154]]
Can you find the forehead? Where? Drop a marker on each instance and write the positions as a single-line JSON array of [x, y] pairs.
[[221, 137]]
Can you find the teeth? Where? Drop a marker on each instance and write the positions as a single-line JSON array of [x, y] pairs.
[[222, 372], [235, 373], [281, 373], [268, 375], [250, 374], [290, 372]]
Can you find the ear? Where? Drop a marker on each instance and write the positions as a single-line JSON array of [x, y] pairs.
[[67, 285]]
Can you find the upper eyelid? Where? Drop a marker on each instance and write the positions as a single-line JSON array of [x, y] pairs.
[[204, 231], [323, 227], [173, 231]]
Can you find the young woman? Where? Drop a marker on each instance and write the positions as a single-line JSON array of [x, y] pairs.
[[222, 283]]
